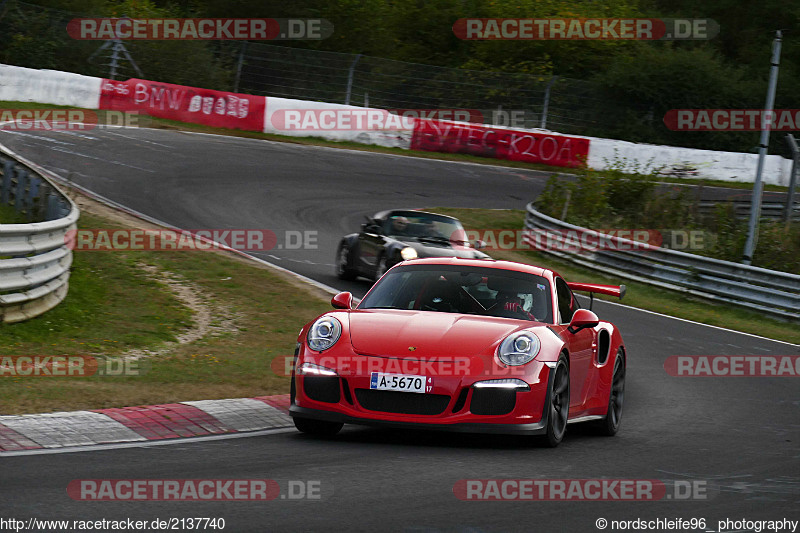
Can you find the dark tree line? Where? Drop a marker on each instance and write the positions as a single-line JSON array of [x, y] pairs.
[[637, 81]]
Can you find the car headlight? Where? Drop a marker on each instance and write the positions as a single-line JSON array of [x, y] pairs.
[[408, 253], [519, 348], [310, 369], [324, 333]]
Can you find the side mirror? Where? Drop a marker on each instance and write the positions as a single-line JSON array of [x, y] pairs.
[[479, 244], [583, 318], [343, 300]]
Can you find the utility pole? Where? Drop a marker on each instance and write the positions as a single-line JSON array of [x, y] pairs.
[[755, 201]]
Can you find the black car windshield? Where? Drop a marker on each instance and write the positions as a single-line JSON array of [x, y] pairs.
[[423, 226], [463, 289]]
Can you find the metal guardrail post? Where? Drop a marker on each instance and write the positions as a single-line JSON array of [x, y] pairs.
[[350, 79], [239, 67], [789, 209], [546, 104], [33, 194], [8, 173], [19, 193], [52, 212]]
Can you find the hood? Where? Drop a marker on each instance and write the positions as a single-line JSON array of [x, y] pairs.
[[434, 335], [433, 249]]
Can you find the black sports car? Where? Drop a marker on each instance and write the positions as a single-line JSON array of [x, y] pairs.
[[393, 236]]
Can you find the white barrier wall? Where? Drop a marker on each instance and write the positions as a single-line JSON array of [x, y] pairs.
[[49, 87], [341, 123], [337, 122], [726, 166]]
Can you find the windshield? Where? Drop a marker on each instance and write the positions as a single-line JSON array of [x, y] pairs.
[[467, 290], [423, 226]]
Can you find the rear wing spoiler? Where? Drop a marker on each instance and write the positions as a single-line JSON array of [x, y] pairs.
[[593, 288]]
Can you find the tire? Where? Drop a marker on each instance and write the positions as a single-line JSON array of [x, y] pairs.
[[344, 269], [382, 267], [318, 428], [558, 405], [609, 425]]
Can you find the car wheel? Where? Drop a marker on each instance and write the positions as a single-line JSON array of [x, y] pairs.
[[381, 267], [610, 424], [319, 428], [559, 405], [343, 268]]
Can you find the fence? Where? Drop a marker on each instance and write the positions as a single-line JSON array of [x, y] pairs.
[[759, 289], [35, 257], [560, 104]]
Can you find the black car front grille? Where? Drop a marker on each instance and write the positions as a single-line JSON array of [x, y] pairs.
[[408, 403], [322, 388], [490, 401]]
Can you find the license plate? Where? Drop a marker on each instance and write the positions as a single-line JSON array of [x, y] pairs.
[[400, 382]]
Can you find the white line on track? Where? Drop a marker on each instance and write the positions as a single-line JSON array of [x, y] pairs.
[[76, 134], [37, 137], [110, 161], [138, 139]]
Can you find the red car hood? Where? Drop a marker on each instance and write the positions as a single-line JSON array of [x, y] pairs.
[[424, 335]]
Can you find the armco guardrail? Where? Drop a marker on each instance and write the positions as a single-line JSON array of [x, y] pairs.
[[35, 258], [766, 291], [772, 210]]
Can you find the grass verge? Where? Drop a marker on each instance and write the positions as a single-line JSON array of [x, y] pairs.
[[639, 294], [114, 307]]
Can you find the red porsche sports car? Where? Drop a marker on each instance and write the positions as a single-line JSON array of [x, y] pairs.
[[472, 345]]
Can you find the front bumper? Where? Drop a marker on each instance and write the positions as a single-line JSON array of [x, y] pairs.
[[453, 404], [536, 428]]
